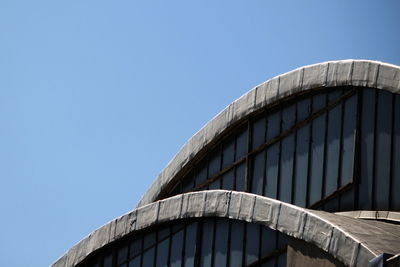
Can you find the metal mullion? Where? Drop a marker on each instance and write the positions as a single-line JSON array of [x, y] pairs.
[[213, 242], [247, 170], [169, 245], [228, 248], [309, 158], [339, 177], [199, 240], [374, 152], [357, 149], [279, 158], [392, 151], [294, 155], [325, 149]]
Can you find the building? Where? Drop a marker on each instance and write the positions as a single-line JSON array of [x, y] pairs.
[[303, 170]]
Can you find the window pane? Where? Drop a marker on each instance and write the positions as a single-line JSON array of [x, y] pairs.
[[317, 158], [107, 262], [136, 247], [221, 242], [252, 243], [286, 169], [271, 170], [258, 173], [333, 150], [163, 232], [228, 180], [135, 262], [274, 125], [367, 148], [228, 153], [349, 126], [148, 257], [301, 171], [288, 117], [241, 144], [207, 243], [268, 241], [237, 232], [122, 254], [240, 177], [383, 149], [215, 184], [258, 133], [282, 260], [149, 240], [190, 244], [162, 253], [201, 173], [215, 162], [188, 183], [303, 109], [176, 249]]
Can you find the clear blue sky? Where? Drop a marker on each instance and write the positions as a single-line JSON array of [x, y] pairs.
[[97, 96]]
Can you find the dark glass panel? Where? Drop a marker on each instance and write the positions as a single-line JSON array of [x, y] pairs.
[[334, 95], [241, 177], [347, 200], [303, 109], [271, 171], [283, 240], [349, 126], [136, 247], [301, 170], [228, 154], [214, 163], [221, 242], [395, 196], [383, 149], [268, 241], [286, 169], [176, 249], [333, 150], [331, 205], [149, 240], [282, 260], [269, 263], [236, 249], [319, 102], [252, 243], [228, 180], [241, 144], [215, 185], [135, 262], [258, 173], [188, 183], [288, 117], [207, 243], [190, 244], [274, 125], [122, 254], [107, 261], [317, 158], [148, 257], [124, 265], [163, 232], [201, 173], [177, 225], [162, 253], [258, 132], [367, 149]]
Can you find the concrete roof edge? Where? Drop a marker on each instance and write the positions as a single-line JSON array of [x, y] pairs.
[[350, 72], [317, 227]]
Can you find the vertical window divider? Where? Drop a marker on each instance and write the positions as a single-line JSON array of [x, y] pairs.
[[248, 163], [339, 177], [374, 153], [390, 204], [294, 154], [357, 148], [325, 148], [278, 180], [309, 158]]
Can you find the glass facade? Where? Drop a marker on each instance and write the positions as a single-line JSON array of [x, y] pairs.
[[201, 242], [318, 150]]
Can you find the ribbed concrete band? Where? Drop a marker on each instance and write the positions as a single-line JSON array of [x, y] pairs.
[[343, 237], [364, 73]]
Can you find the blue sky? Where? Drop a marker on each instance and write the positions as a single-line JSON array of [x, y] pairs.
[[97, 96]]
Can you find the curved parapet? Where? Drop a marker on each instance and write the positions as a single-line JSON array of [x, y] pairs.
[[360, 73], [353, 242]]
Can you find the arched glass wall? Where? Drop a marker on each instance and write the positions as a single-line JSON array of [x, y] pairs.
[[336, 150], [202, 242]]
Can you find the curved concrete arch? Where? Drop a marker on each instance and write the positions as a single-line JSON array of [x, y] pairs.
[[343, 237], [314, 77]]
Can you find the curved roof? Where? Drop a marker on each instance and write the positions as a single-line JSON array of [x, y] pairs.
[[353, 242], [314, 77]]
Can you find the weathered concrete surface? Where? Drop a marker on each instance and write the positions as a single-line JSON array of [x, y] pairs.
[[330, 74], [351, 241]]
